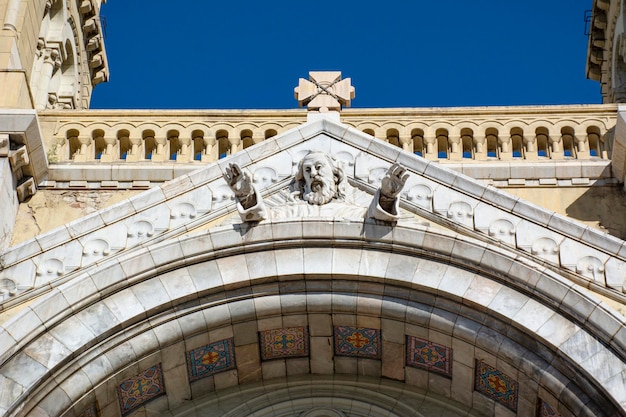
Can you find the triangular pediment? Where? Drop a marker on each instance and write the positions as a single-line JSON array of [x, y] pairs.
[[443, 198]]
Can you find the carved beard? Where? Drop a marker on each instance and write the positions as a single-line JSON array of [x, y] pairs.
[[321, 191]]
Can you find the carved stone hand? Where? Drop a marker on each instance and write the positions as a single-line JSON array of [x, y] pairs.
[[391, 185], [241, 184]]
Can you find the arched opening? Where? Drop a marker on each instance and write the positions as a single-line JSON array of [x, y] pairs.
[[442, 143], [246, 138], [541, 135], [197, 137], [417, 135], [595, 143], [567, 136], [74, 144], [270, 133], [150, 144], [369, 132], [223, 145], [467, 143], [173, 138], [99, 144], [491, 137], [393, 137], [123, 138], [517, 142]]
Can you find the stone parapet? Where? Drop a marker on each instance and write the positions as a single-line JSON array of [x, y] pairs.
[[530, 143]]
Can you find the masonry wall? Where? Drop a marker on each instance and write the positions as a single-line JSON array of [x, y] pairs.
[[9, 203]]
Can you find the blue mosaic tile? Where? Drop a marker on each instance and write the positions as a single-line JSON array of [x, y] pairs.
[[357, 341], [496, 385], [546, 410], [90, 411], [430, 356], [288, 342], [210, 359], [134, 392]]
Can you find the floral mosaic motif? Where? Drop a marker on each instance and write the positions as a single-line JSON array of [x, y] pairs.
[[357, 341], [210, 359], [546, 410], [288, 342], [134, 392], [496, 385], [430, 356], [90, 411]]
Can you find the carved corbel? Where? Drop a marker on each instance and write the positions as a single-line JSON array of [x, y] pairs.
[[26, 189], [4, 144], [18, 158]]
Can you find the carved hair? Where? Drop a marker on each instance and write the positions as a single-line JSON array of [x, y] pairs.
[[336, 168]]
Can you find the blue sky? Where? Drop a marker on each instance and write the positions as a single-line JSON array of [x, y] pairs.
[[399, 53]]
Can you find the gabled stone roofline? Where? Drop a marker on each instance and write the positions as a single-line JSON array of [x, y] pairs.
[[202, 196]]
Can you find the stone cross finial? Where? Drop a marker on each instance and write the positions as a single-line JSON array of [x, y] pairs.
[[324, 91]]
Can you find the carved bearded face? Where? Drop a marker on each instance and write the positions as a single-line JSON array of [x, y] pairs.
[[319, 179]]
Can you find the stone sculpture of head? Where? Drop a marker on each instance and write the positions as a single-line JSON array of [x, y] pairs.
[[319, 178]]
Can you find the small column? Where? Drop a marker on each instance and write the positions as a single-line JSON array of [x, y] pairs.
[[110, 152], [456, 149], [235, 144], [407, 142], [85, 150], [161, 153], [506, 154], [135, 153], [582, 147], [209, 153], [480, 142], [431, 147], [185, 154], [556, 146], [51, 62]]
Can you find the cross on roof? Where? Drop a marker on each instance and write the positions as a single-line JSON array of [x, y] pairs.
[[324, 91]]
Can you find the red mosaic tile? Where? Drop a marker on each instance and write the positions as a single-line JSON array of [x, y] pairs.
[[430, 356], [496, 385], [135, 392], [288, 342]]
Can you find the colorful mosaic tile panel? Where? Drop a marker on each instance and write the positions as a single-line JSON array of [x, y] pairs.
[[90, 411], [134, 392], [210, 359], [430, 356], [496, 385], [546, 410], [288, 342], [357, 341]]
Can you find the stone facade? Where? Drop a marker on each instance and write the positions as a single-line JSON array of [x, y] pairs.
[[130, 286]]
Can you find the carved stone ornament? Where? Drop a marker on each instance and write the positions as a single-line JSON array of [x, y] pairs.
[[319, 181], [324, 91]]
